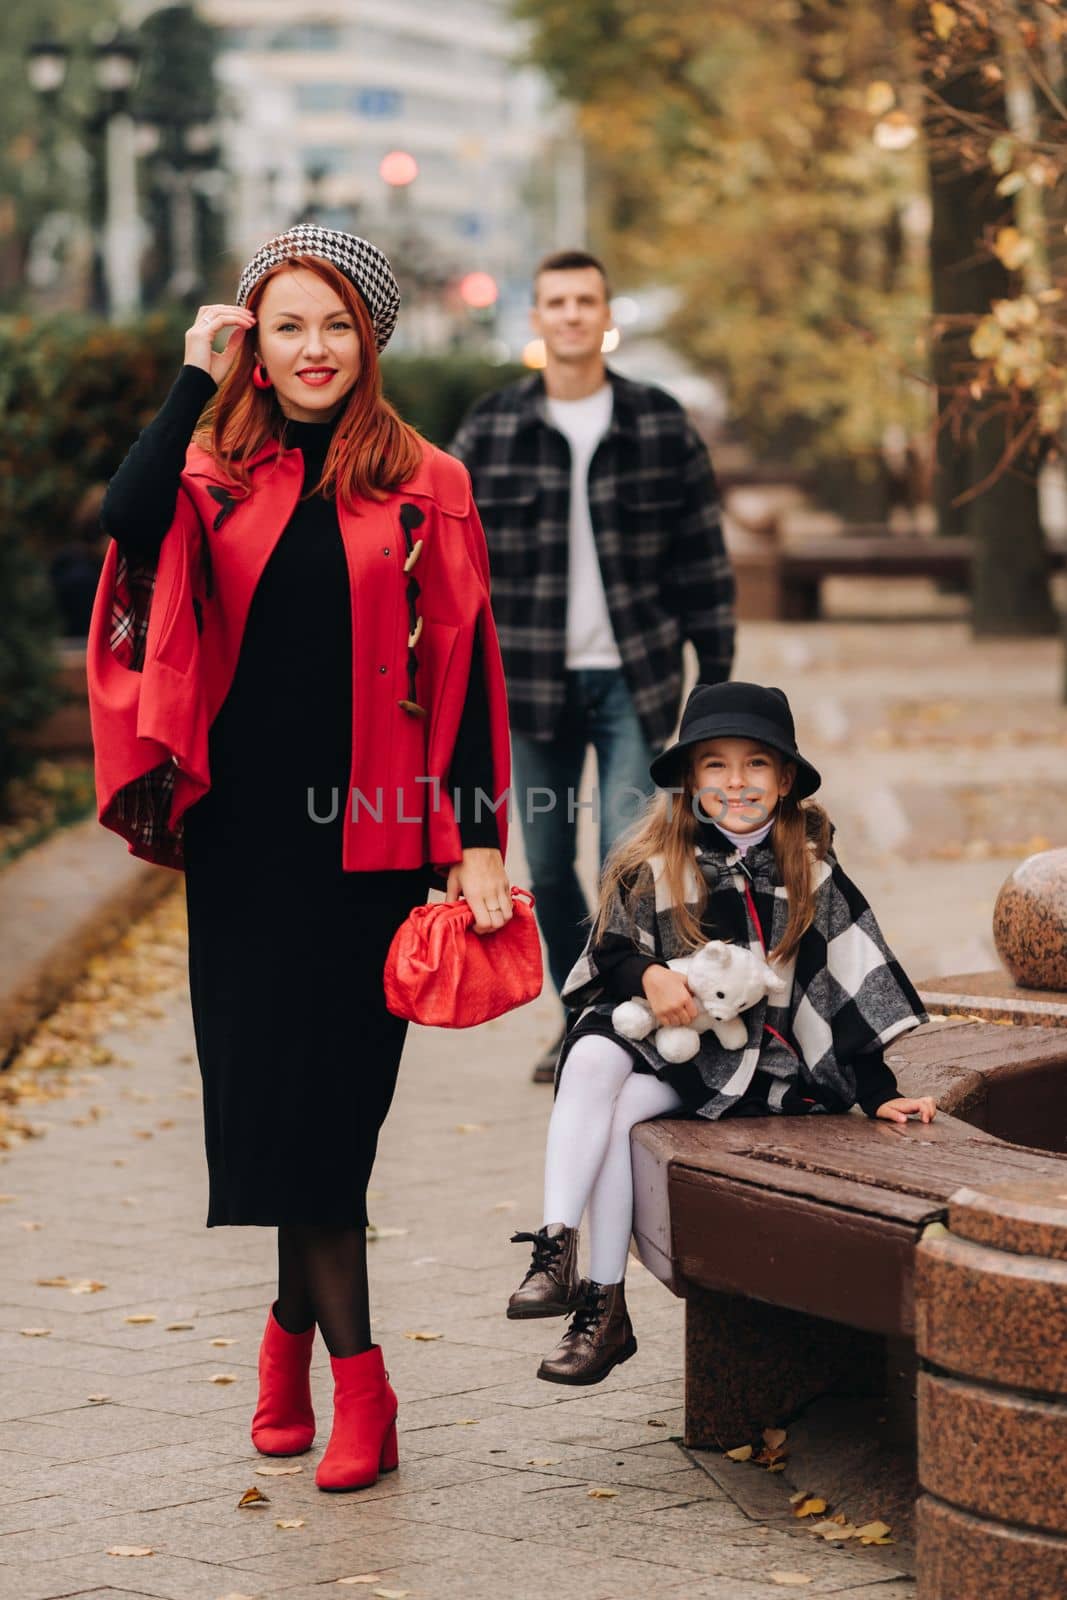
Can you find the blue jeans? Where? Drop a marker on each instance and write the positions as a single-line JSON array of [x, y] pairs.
[[598, 711]]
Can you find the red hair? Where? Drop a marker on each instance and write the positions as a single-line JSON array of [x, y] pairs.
[[373, 451]]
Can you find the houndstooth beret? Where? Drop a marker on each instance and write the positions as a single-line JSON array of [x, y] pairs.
[[362, 263]]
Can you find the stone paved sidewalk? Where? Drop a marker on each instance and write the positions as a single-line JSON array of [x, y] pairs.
[[113, 1432]]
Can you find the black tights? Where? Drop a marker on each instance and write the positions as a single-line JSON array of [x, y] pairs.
[[322, 1277]]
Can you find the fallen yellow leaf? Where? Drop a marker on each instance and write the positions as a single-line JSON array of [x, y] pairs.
[[471, 1127], [742, 1453], [181, 1327], [423, 1338], [603, 1494], [874, 1533], [391, 1594], [277, 1472], [223, 1377], [812, 1507], [140, 1317], [131, 1550], [290, 1522], [223, 1344], [253, 1497], [465, 1422], [774, 1438], [53, 1283], [87, 1286], [98, 1399], [35, 1333]]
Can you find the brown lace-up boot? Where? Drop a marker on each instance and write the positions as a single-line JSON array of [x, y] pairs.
[[600, 1336], [552, 1287]]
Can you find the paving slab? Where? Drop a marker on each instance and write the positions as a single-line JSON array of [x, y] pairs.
[[492, 1495]]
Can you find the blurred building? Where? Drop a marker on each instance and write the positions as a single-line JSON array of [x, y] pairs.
[[320, 95]]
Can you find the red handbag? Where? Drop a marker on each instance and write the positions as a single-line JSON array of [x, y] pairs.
[[441, 974]]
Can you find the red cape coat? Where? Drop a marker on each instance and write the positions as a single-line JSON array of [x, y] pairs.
[[164, 642]]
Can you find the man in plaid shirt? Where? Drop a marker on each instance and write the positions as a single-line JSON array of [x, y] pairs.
[[606, 553]]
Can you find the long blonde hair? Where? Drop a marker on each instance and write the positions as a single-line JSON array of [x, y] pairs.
[[668, 827]]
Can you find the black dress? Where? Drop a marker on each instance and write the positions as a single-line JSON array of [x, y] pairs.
[[298, 1054]]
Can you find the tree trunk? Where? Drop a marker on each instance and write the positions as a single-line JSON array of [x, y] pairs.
[[1010, 592], [1010, 584]]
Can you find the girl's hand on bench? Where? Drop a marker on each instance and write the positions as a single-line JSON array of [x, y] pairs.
[[899, 1110]]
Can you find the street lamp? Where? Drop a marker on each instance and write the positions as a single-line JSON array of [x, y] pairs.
[[46, 67], [115, 68], [115, 63], [183, 170]]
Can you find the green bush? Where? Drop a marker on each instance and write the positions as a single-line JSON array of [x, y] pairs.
[[28, 663], [433, 393], [75, 393]]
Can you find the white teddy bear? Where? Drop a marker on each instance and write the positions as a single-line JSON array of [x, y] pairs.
[[725, 979]]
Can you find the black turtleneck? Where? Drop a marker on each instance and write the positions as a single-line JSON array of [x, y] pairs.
[[287, 720]]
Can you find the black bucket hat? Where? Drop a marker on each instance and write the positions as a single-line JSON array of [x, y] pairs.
[[735, 711]]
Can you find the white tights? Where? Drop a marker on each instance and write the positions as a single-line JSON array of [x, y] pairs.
[[587, 1162]]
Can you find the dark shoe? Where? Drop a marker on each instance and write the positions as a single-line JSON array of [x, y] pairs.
[[545, 1068], [552, 1287], [600, 1337]]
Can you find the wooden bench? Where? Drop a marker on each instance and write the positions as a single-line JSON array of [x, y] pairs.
[[782, 581], [795, 1242], [774, 1219]]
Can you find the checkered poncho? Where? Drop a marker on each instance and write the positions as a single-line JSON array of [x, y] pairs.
[[847, 993]]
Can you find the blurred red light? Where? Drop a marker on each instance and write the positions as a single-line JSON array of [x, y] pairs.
[[398, 169], [479, 290]]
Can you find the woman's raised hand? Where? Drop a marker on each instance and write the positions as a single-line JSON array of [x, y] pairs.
[[670, 997], [200, 338]]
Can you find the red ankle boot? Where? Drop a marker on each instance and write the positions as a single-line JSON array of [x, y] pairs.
[[363, 1441], [284, 1423]]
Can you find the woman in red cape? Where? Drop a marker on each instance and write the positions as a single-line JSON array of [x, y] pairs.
[[297, 696]]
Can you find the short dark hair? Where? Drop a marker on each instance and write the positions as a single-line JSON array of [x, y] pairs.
[[570, 261]]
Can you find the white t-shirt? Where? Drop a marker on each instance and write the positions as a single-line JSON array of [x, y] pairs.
[[590, 637]]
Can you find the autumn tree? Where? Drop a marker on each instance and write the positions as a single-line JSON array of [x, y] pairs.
[[992, 158], [781, 165], [735, 147]]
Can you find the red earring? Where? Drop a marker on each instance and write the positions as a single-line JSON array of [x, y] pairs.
[[260, 376]]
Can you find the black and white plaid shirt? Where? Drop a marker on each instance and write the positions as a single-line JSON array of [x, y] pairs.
[[653, 503]]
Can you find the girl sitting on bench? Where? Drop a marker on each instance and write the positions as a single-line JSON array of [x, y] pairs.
[[731, 848]]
